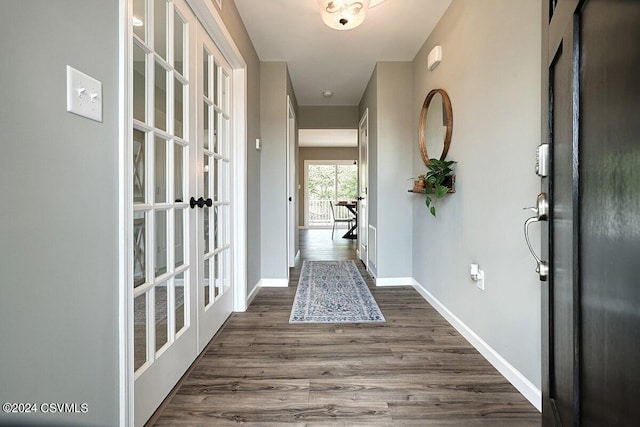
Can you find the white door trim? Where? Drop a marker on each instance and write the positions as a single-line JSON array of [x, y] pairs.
[[364, 221], [291, 181], [125, 218]]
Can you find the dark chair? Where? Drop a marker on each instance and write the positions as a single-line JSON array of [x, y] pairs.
[[349, 221]]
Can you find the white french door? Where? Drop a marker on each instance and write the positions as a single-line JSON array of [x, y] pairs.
[[163, 89], [215, 302], [180, 150]]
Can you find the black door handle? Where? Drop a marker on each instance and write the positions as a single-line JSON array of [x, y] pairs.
[[360, 198], [201, 203]]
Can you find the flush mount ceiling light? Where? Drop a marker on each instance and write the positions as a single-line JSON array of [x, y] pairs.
[[343, 14], [327, 94]]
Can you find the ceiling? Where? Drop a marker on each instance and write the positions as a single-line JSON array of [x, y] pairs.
[[320, 58]]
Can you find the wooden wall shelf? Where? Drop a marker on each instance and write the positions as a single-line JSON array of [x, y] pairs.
[[451, 183]]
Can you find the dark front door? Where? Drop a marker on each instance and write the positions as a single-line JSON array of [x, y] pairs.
[[591, 300]]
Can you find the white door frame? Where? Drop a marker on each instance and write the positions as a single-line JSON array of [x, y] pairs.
[[213, 24], [291, 186], [363, 220]]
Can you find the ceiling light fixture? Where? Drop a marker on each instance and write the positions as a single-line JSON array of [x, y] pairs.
[[137, 22], [343, 14], [327, 94]]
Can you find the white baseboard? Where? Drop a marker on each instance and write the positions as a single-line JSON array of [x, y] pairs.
[[395, 281], [273, 283], [253, 293], [519, 381], [266, 283]]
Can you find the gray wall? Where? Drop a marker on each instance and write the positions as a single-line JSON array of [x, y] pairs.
[[319, 153], [328, 117], [58, 217], [491, 71], [394, 143], [388, 97], [274, 88], [238, 32]]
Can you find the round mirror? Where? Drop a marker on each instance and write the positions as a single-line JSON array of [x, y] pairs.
[[436, 125]]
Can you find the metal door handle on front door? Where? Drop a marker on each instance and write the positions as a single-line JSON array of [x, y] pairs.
[[542, 214]]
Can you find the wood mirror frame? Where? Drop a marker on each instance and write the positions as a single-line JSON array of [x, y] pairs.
[[423, 119]]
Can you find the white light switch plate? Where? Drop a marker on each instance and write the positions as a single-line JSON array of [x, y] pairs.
[[84, 95]]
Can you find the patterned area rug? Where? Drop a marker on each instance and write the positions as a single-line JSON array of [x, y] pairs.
[[333, 292]]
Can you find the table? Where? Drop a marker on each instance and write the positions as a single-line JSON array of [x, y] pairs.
[[353, 208]]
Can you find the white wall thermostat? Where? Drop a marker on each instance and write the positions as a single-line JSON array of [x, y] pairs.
[[434, 58]]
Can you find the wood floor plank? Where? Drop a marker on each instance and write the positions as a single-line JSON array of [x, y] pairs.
[[413, 370]]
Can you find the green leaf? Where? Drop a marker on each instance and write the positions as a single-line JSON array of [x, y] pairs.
[[433, 210], [441, 190], [428, 201]]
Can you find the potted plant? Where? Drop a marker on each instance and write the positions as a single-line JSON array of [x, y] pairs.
[[439, 180]]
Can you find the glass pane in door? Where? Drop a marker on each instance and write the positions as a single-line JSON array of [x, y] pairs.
[[139, 189], [161, 310], [139, 83], [321, 190], [205, 126], [216, 179], [179, 237], [139, 331], [160, 96], [180, 286], [160, 170], [160, 28], [214, 88], [178, 43], [206, 230], [178, 173], [216, 230], [139, 20], [216, 119], [139, 245], [347, 181], [223, 180], [207, 293], [178, 110], [217, 273], [205, 74], [161, 242]]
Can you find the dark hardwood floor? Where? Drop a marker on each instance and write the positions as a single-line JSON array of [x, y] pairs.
[[413, 370]]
